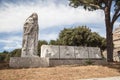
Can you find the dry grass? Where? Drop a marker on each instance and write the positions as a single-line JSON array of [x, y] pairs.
[[60, 72]]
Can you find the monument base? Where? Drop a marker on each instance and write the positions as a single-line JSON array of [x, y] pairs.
[[28, 62], [78, 61]]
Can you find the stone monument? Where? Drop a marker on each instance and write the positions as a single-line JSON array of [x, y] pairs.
[[70, 52], [29, 53], [30, 36], [51, 55], [71, 55]]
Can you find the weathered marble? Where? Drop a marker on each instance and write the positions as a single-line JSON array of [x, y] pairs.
[[67, 52], [81, 52], [94, 52], [30, 36], [50, 51], [27, 62]]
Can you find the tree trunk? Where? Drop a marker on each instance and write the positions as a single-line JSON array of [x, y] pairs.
[[109, 44], [109, 36]]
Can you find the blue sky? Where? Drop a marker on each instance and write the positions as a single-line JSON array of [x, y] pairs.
[[54, 15]]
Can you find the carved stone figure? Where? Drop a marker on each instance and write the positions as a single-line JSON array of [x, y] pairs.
[[30, 36]]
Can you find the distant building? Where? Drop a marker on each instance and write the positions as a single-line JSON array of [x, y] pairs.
[[116, 42]]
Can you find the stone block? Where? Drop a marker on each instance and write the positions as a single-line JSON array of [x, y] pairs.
[[53, 51], [94, 52], [27, 62], [57, 62], [50, 51], [67, 52], [81, 52]]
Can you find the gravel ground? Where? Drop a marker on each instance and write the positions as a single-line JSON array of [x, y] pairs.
[[63, 72], [108, 78]]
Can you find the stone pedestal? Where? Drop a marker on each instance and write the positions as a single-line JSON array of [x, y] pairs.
[[28, 62], [70, 61], [29, 57]]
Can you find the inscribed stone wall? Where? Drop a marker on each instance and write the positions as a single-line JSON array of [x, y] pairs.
[[52, 51]]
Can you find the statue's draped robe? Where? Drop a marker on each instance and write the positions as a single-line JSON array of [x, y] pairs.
[[30, 37]]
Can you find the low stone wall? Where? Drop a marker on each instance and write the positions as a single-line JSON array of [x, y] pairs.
[[57, 62], [25, 62], [32, 62], [53, 51]]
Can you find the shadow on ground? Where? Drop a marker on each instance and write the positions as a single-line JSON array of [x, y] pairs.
[[114, 65], [4, 65]]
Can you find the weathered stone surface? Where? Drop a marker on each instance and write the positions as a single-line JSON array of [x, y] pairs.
[[81, 52], [50, 51], [67, 52], [70, 52], [94, 52], [27, 62], [30, 36], [56, 62]]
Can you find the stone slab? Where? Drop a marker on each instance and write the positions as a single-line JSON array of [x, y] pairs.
[[53, 51], [50, 51], [94, 52], [28, 62], [67, 52], [70, 61], [81, 52]]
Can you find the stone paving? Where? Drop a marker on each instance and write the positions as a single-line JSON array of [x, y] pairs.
[[108, 78]]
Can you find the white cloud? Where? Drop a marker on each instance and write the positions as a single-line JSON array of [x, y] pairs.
[[48, 37], [14, 42], [12, 46], [11, 43], [51, 15]]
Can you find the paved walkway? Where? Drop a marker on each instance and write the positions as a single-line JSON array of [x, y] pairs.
[[108, 78]]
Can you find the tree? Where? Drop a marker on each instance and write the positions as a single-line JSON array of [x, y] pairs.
[[40, 43], [3, 56], [106, 6], [53, 42], [15, 53], [81, 36], [5, 51]]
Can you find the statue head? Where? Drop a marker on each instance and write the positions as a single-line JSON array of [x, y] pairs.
[[31, 19], [34, 16]]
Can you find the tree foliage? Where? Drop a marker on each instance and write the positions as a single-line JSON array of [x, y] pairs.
[[4, 56], [54, 42], [107, 6], [81, 36], [15, 53]]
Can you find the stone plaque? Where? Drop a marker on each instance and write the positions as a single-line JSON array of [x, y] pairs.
[[94, 52], [67, 52], [50, 51], [81, 52]]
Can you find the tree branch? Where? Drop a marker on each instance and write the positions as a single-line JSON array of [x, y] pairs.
[[93, 5], [116, 15], [115, 18]]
